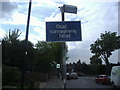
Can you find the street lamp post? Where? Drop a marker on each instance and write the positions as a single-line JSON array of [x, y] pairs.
[[26, 46], [67, 9]]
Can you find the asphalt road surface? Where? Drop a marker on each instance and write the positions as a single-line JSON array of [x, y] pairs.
[[85, 82]]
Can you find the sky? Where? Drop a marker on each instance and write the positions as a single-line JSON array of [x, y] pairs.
[[96, 16]]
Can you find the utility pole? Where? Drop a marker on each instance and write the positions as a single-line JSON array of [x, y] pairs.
[[26, 47]]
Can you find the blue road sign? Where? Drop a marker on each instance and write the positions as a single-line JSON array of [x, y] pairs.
[[63, 31]]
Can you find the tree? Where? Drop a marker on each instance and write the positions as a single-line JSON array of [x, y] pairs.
[[10, 46], [44, 57], [95, 60], [57, 52], [85, 68], [49, 54], [105, 45], [96, 65], [29, 62], [10, 75], [13, 50], [79, 66], [12, 36]]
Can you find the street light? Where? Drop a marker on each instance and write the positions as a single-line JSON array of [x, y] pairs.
[[26, 47], [66, 9]]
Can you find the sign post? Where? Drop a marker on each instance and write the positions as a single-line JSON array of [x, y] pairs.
[[73, 10]]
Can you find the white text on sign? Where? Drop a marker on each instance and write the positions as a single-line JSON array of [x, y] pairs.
[[63, 33]]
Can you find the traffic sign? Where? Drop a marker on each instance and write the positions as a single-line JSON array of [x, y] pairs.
[[63, 31], [58, 66]]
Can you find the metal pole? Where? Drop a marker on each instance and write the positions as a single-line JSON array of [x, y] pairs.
[[64, 64], [63, 16], [70, 9], [26, 45], [64, 54]]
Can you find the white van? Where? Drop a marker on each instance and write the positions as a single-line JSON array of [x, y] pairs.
[[115, 76]]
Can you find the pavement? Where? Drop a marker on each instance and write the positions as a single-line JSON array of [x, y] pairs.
[[54, 82]]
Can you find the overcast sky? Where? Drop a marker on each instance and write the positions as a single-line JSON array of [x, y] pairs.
[[96, 18]]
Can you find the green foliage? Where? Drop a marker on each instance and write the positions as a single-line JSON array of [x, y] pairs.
[[95, 60], [84, 68], [87, 69], [10, 75], [95, 68], [56, 49], [11, 47], [104, 46], [42, 57], [47, 55], [79, 66], [12, 36], [30, 54], [13, 51]]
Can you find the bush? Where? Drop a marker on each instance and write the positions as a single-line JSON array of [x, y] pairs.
[[10, 75]]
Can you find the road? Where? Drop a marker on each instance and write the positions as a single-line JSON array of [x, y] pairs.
[[84, 82]]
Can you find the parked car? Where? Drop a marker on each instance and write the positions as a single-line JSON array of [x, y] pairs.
[[115, 76], [74, 75], [102, 79]]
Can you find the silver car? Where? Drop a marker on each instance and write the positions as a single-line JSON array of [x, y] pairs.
[[74, 75]]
